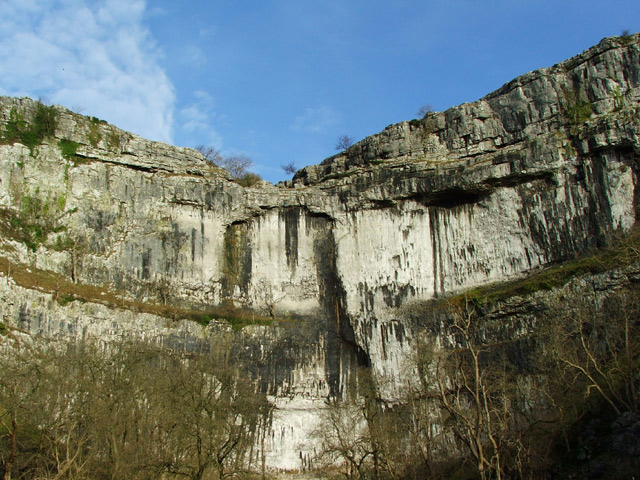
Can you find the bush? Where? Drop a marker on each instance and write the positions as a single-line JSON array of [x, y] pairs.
[[18, 130], [35, 220], [68, 148], [248, 180]]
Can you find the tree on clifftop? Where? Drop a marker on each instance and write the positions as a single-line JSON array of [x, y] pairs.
[[344, 142], [237, 165], [210, 154]]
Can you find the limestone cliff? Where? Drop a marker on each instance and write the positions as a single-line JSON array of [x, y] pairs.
[[538, 172]]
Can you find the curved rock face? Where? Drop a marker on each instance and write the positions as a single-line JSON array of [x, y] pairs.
[[534, 173]]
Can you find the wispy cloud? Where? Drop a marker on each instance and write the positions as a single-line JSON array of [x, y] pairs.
[[94, 55], [208, 31], [196, 120], [194, 56], [316, 120]]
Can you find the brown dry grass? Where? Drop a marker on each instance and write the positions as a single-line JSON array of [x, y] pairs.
[[64, 291]]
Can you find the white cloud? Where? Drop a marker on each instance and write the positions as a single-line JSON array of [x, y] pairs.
[[196, 120], [209, 31], [156, 11], [316, 120], [193, 56], [204, 97], [91, 54]]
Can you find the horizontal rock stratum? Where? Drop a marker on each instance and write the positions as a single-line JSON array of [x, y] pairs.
[[535, 173]]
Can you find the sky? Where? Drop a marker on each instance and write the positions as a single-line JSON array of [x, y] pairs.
[[280, 80]]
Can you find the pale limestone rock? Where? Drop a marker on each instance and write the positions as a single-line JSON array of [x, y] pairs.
[[483, 192]]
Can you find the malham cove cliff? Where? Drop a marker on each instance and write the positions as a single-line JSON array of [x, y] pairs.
[[333, 264]]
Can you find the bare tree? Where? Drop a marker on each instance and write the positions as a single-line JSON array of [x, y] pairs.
[[60, 412], [601, 350], [344, 437], [464, 395], [162, 289], [474, 387], [429, 437], [289, 168], [343, 142], [210, 154], [215, 413], [18, 388], [237, 165], [424, 110], [360, 436], [130, 411], [264, 290]]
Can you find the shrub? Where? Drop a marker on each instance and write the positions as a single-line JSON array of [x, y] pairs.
[[248, 180], [18, 130], [68, 148], [114, 141], [625, 37], [35, 220], [94, 135], [577, 110]]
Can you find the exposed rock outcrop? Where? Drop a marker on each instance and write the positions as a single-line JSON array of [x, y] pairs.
[[535, 173]]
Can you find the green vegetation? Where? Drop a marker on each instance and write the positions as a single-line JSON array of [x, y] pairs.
[[95, 135], [231, 252], [61, 202], [68, 148], [3, 329], [63, 243], [234, 266], [114, 141], [580, 112], [576, 109], [34, 221], [38, 218], [625, 38], [65, 299], [96, 120], [618, 99], [30, 134]]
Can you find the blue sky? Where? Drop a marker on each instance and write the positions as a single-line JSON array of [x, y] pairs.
[[280, 80]]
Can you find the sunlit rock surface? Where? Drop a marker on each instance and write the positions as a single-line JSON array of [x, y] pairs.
[[535, 173]]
